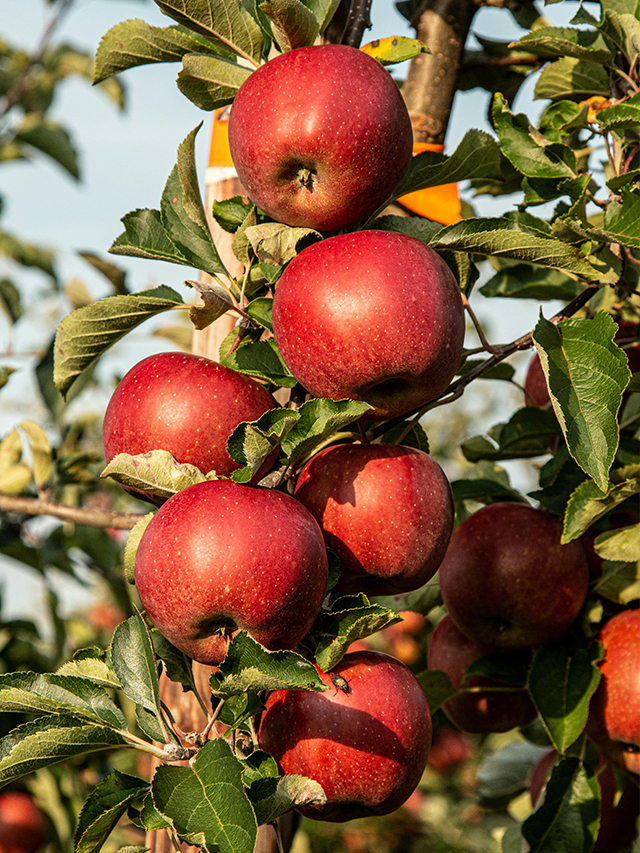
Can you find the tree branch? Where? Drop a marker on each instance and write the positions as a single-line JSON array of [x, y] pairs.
[[76, 514]]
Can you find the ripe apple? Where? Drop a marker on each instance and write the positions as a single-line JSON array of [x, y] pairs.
[[506, 580], [614, 712], [451, 652], [22, 823], [320, 136], [365, 740], [449, 749], [186, 404], [536, 390], [374, 316], [219, 557], [384, 509], [618, 812]]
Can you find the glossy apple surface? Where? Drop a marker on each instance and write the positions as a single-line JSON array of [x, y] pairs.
[[508, 582], [536, 390], [186, 404], [450, 651], [619, 810], [614, 711], [385, 510], [219, 557], [22, 823], [365, 740], [374, 316], [320, 136]]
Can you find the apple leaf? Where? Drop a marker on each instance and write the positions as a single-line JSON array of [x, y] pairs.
[[294, 25], [132, 658], [261, 310], [422, 600], [523, 281], [261, 360], [525, 434], [248, 666], [588, 503], [568, 77], [155, 473], [622, 545], [352, 617], [561, 685], [589, 45], [217, 301], [509, 238], [622, 116], [415, 437], [251, 443], [586, 374], [150, 817], [91, 663], [437, 687], [620, 582], [88, 332], [319, 419], [394, 49], [623, 30], [272, 797], [210, 82], [15, 475], [206, 802], [483, 491], [49, 138], [477, 156], [276, 243], [104, 807], [226, 23], [504, 773], [51, 739], [144, 237], [135, 42], [46, 693], [568, 819], [131, 546], [178, 667], [507, 668]]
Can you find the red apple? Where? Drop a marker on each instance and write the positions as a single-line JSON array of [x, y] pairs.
[[506, 580], [451, 652], [320, 136], [449, 749], [536, 390], [384, 509], [219, 557], [365, 740], [618, 812], [374, 316], [22, 823], [186, 404], [614, 712]]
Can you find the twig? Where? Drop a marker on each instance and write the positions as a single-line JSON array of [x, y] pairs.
[[76, 514]]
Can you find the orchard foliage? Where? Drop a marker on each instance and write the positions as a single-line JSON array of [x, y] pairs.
[[573, 236]]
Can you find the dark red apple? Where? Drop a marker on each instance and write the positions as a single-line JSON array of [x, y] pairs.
[[365, 740], [320, 136], [384, 509], [186, 404], [450, 651], [450, 748], [508, 582], [614, 712], [22, 823], [219, 557], [536, 390], [618, 810], [374, 316]]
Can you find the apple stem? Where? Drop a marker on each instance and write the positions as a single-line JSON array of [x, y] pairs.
[[483, 340]]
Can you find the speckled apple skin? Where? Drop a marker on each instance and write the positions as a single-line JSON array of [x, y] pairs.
[[507, 581], [374, 316], [367, 746], [385, 510], [186, 404], [330, 109], [614, 712], [450, 651], [219, 555]]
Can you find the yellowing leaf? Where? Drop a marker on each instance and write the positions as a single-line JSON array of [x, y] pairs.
[[394, 49]]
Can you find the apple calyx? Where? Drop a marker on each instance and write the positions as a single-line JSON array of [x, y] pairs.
[[306, 178]]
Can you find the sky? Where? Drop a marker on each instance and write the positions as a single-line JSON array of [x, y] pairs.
[[126, 157]]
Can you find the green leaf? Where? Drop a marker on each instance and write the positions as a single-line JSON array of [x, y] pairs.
[[624, 31], [135, 42], [621, 221], [261, 360], [622, 116], [568, 819], [272, 797], [586, 374], [226, 23], [210, 82], [503, 774], [477, 156], [248, 666], [588, 503], [178, 666], [318, 420], [230, 213], [394, 49], [206, 803], [46, 693], [48, 740], [622, 544], [561, 685], [416, 437], [90, 663], [251, 443], [132, 658], [352, 617], [237, 710], [88, 332], [589, 45], [131, 547], [145, 237], [156, 473], [113, 273], [27, 254], [522, 281], [10, 300], [261, 310], [51, 139], [508, 238], [511, 669], [294, 25], [572, 78], [103, 809], [437, 687], [276, 243], [525, 434], [620, 582], [482, 491]]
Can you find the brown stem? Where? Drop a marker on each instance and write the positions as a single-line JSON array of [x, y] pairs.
[[76, 514]]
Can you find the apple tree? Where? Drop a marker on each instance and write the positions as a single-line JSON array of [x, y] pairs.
[[529, 608]]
